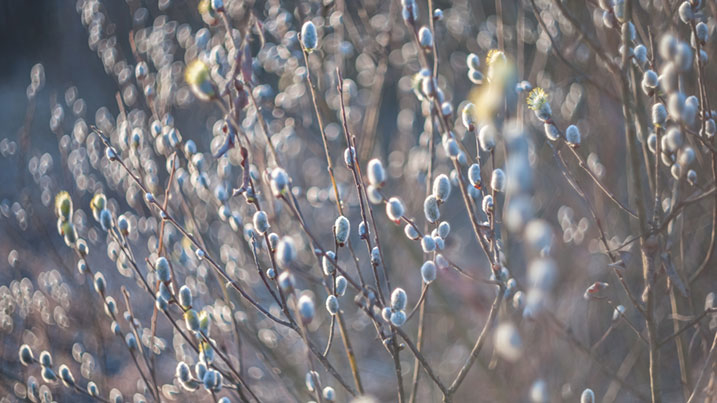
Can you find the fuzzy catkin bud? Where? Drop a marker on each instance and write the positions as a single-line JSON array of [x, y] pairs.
[[191, 320], [159, 301], [285, 251], [428, 272], [692, 101], [488, 204], [519, 300], [605, 4], [666, 157], [204, 322], [440, 243], [473, 61], [451, 147], [123, 225], [332, 304], [551, 132], [447, 109], [442, 262], [474, 176], [25, 354], [140, 71], [442, 188], [683, 57], [497, 180], [376, 173], [686, 156], [110, 306], [185, 297], [539, 389], [386, 313], [676, 171], [703, 56], [342, 229], [218, 5], [649, 79], [428, 244], [640, 53], [312, 378], [63, 206], [538, 101], [306, 309], [97, 204], [475, 76], [48, 375], [572, 135], [375, 256], [309, 37], [398, 318], [349, 157], [341, 284], [673, 139], [429, 85], [92, 389], [106, 219], [692, 177], [66, 375], [326, 263], [487, 138], [363, 230], [689, 113], [100, 284], [279, 181], [669, 78], [163, 272], [395, 209], [329, 394], [409, 11], [468, 116], [209, 380], [131, 341], [45, 359], [200, 368], [198, 76], [410, 232], [523, 86], [461, 158], [261, 222], [702, 32], [659, 114], [398, 299], [286, 281], [425, 37], [273, 240], [444, 228], [111, 154], [507, 342], [685, 12], [430, 209], [82, 247], [182, 372], [588, 396]]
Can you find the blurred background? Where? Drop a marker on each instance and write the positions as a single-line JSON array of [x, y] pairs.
[[37, 162]]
